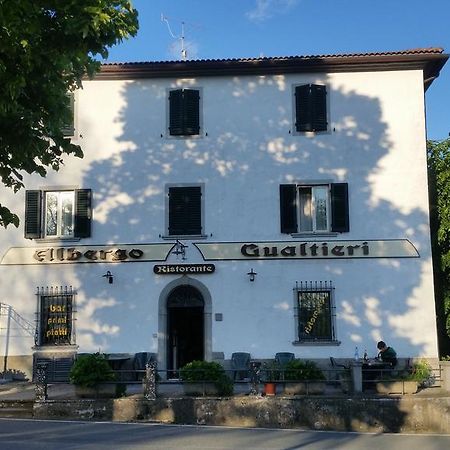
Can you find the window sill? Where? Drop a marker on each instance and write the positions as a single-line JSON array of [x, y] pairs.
[[315, 235], [189, 237], [62, 348], [57, 239], [316, 343], [184, 136], [311, 134]]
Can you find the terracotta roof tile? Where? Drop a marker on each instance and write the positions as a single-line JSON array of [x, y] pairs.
[[415, 51]]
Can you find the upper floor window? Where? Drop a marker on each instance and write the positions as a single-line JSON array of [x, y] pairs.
[[59, 217], [311, 108], [58, 213], [69, 125], [184, 112], [184, 210], [315, 208]]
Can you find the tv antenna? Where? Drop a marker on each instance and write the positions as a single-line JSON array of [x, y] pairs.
[[181, 37]]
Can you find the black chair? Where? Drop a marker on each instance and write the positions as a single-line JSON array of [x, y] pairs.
[[240, 364], [282, 358], [335, 364]]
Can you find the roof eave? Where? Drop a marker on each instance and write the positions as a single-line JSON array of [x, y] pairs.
[[430, 63]]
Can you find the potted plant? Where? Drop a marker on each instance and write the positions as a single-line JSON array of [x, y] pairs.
[[205, 378], [271, 375], [407, 382], [303, 377], [92, 376]]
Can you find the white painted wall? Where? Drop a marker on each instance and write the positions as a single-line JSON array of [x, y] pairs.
[[376, 143]]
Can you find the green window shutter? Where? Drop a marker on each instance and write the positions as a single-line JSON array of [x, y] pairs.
[[33, 203], [176, 113], [303, 108], [83, 213], [319, 107], [311, 108], [288, 208], [191, 103], [339, 208], [185, 215], [184, 112], [69, 124]]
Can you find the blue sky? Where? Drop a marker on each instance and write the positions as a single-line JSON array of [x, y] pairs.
[[252, 28]]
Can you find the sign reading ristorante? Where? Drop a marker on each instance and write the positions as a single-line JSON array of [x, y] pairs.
[[171, 269]]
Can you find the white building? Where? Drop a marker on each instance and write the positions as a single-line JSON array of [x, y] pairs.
[[308, 171]]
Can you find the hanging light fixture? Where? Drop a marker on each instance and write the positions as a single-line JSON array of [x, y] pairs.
[[109, 276], [252, 275]]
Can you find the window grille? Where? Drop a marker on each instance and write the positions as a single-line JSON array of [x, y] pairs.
[[55, 322], [315, 312]]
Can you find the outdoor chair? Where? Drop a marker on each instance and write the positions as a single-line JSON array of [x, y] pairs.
[[281, 359], [335, 364], [338, 370], [240, 364]]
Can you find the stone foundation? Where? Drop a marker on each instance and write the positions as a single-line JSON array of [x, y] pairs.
[[406, 414]]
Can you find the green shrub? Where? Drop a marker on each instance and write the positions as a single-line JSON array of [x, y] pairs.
[[89, 370], [207, 371], [421, 372], [302, 370]]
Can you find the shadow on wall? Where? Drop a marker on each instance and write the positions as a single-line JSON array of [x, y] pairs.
[[129, 191]]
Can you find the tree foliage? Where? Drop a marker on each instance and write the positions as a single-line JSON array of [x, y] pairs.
[[46, 47], [439, 171]]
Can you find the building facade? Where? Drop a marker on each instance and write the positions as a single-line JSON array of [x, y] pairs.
[[260, 205]]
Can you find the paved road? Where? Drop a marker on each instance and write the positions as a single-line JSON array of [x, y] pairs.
[[18, 434]]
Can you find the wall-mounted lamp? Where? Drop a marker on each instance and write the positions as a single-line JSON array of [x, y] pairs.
[[109, 276], [180, 249], [252, 275]]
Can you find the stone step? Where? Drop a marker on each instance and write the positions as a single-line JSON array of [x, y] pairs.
[[17, 410]]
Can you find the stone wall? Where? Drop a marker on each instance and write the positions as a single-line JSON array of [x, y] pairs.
[[405, 414]]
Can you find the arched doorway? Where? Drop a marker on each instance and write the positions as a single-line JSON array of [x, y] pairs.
[[185, 327]]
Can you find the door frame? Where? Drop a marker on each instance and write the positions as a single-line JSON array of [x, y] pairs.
[[162, 319]]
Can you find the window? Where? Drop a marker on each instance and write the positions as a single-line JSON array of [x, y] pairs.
[[184, 112], [311, 108], [56, 307], [58, 214], [69, 125], [316, 208], [184, 210], [315, 312]]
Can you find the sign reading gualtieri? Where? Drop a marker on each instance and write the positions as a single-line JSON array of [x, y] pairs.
[[395, 248], [172, 269]]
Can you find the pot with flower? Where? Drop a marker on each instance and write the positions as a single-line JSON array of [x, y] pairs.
[[271, 376]]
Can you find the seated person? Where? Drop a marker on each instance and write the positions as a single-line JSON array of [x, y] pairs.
[[378, 370], [387, 354]]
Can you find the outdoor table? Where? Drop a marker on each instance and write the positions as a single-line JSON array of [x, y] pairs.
[[116, 360]]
